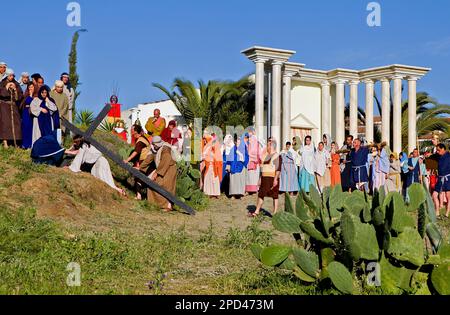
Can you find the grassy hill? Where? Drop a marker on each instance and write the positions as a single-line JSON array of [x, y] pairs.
[[51, 217]]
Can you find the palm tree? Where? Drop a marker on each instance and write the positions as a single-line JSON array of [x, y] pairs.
[[431, 117], [217, 103], [107, 126], [84, 118]]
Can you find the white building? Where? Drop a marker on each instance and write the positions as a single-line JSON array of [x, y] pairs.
[[308, 101], [145, 111]]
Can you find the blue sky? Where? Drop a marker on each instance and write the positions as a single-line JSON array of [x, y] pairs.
[[131, 44]]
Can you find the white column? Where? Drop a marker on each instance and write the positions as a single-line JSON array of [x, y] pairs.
[[340, 112], [369, 110], [397, 114], [259, 98], [276, 102], [412, 113], [385, 110], [354, 108], [326, 108], [286, 121]]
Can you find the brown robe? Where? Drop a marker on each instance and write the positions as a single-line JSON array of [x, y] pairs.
[[167, 176], [6, 121]]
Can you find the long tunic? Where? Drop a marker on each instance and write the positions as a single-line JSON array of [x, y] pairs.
[[393, 183], [238, 170], [289, 173], [413, 175], [308, 169], [380, 169], [48, 151], [10, 125], [213, 170], [27, 124], [346, 170], [62, 102], [166, 168], [100, 166], [443, 184], [253, 171], [359, 172], [323, 173], [335, 169], [44, 123]]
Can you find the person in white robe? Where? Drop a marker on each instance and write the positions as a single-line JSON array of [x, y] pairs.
[[89, 158], [322, 161], [307, 173]]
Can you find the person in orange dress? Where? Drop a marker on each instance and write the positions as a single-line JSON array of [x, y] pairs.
[[212, 169], [335, 165]]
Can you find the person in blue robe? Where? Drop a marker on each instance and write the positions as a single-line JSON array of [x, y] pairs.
[[238, 167], [47, 150], [46, 116], [442, 191], [413, 169], [359, 156], [27, 119]]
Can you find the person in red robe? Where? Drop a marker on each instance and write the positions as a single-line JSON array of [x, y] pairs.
[[171, 134], [114, 114], [120, 131]]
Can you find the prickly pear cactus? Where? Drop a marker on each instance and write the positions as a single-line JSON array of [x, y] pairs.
[[307, 261], [286, 222], [408, 247], [360, 239], [340, 277]]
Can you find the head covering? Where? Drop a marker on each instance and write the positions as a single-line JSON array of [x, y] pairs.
[[172, 123], [9, 71], [46, 88], [157, 140], [59, 83], [3, 64], [298, 144], [228, 144]]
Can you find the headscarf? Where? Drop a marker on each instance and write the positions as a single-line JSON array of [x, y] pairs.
[[298, 143], [228, 144], [46, 88], [307, 157], [241, 157], [329, 141], [384, 162]]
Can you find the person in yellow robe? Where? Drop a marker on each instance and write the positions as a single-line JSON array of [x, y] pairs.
[[165, 174], [155, 125]]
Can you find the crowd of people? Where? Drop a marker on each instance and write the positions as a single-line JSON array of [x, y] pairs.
[[30, 114], [29, 109], [244, 165]]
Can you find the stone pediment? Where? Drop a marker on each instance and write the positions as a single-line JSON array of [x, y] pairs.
[[300, 121]]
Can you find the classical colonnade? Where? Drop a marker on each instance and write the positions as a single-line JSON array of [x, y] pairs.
[[333, 101]]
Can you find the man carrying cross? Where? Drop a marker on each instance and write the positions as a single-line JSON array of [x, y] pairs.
[[165, 174]]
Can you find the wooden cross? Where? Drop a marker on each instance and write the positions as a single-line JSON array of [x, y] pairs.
[[118, 160]]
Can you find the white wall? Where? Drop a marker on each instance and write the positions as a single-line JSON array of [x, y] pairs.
[[306, 99], [167, 108]]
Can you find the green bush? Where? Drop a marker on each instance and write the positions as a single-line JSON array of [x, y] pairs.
[[339, 234]]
